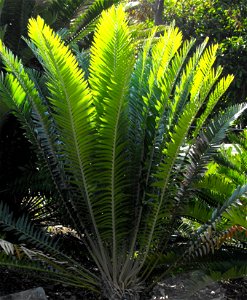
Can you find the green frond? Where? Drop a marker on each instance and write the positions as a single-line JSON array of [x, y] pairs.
[[63, 11], [226, 160], [180, 129], [19, 92], [207, 239], [167, 61], [163, 101], [36, 238], [25, 231], [209, 141], [214, 97], [203, 71], [138, 112], [237, 215], [163, 52], [25, 97], [218, 212], [225, 270], [172, 153], [233, 273], [86, 17], [112, 58], [83, 58], [29, 260], [15, 15], [197, 211], [183, 87], [214, 188], [71, 104]]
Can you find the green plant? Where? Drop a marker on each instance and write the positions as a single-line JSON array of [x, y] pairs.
[[122, 154], [224, 22], [229, 169], [74, 20], [78, 17]]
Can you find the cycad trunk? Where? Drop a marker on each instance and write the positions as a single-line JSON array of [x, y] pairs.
[[116, 294], [133, 290]]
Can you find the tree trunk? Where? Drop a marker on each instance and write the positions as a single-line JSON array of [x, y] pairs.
[[158, 10]]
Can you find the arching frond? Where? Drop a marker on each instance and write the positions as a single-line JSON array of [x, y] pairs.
[[86, 16], [111, 64], [70, 102]]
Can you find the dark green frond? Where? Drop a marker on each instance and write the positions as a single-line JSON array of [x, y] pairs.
[[209, 141], [15, 15], [25, 230], [30, 260], [85, 18], [24, 100]]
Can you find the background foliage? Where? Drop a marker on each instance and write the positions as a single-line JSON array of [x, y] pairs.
[[223, 21]]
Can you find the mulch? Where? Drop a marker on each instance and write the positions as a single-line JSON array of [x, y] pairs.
[[13, 281]]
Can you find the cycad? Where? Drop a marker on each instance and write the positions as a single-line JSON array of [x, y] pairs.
[[229, 171], [74, 15], [121, 152]]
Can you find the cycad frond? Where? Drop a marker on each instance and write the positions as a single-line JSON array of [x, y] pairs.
[[207, 238], [7, 247], [23, 99], [33, 260], [112, 58], [219, 90], [15, 15], [64, 10], [210, 140], [24, 230], [36, 238], [71, 104], [86, 16]]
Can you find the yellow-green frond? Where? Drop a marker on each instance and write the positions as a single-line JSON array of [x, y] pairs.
[[71, 103], [214, 97], [112, 59]]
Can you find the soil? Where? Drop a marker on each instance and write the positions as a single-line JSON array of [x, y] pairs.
[[12, 281], [186, 287]]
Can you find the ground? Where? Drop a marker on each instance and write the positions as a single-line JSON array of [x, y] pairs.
[[15, 281]]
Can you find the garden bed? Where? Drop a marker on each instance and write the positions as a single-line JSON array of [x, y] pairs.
[[17, 280]]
